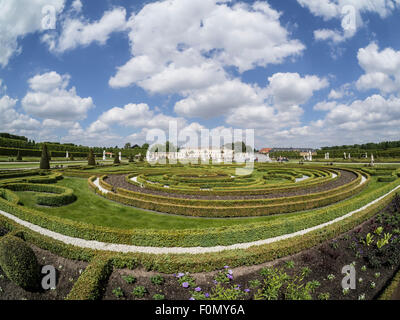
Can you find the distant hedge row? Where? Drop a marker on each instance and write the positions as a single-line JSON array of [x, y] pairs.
[[12, 152]]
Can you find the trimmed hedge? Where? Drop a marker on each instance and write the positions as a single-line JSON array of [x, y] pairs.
[[234, 208], [90, 285], [387, 179], [391, 289], [60, 196], [19, 262]]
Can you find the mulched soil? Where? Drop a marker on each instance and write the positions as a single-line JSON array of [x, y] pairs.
[[67, 270], [118, 181], [325, 259]]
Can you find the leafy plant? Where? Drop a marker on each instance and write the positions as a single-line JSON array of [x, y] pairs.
[[157, 280], [383, 241], [185, 280], [139, 291], [254, 283], [378, 231], [290, 264], [324, 296], [159, 296], [369, 239], [129, 279], [230, 293], [117, 292]]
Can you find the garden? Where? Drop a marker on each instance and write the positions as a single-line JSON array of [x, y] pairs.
[[132, 231]]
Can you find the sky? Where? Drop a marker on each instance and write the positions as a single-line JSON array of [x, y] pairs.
[[300, 73]]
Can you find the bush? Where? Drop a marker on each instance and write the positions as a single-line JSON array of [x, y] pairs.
[[19, 262], [19, 157], [91, 159], [386, 179], [116, 159], [44, 160]]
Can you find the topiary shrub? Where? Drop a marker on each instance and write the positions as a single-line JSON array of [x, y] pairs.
[[19, 157], [19, 263], [44, 160], [91, 159], [116, 160]]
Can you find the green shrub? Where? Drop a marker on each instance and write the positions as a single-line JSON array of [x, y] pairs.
[[44, 160], [157, 280], [91, 158], [387, 179], [90, 285], [139, 291], [19, 263]]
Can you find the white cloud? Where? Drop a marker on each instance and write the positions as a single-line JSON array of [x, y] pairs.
[[382, 69], [12, 121], [18, 19], [201, 37], [333, 9], [49, 98], [343, 91], [77, 6], [288, 89], [80, 32], [217, 100]]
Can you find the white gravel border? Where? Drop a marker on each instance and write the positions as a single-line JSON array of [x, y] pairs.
[[96, 245]]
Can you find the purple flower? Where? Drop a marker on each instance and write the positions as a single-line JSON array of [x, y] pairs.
[[198, 289], [246, 290], [229, 276], [192, 298], [180, 275], [185, 284], [237, 288], [215, 281], [226, 267], [230, 271], [207, 295]]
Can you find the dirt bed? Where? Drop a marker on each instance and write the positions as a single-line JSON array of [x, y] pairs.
[[118, 181], [67, 270], [324, 261]]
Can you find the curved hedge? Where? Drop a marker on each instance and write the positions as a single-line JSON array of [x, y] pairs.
[[58, 196]]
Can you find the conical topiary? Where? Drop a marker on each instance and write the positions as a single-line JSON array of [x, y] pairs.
[[19, 157], [91, 159], [131, 158], [116, 159], [44, 160]]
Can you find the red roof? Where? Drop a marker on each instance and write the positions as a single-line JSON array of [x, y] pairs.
[[265, 150]]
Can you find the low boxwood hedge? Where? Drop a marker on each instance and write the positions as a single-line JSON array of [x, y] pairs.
[[53, 196]]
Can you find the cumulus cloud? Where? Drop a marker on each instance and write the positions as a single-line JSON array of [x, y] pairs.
[[201, 37], [80, 32], [338, 9], [382, 69], [18, 19], [13, 121], [49, 98]]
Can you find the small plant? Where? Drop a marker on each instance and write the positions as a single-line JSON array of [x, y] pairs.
[[364, 268], [334, 245], [157, 280], [306, 271], [361, 296], [290, 264], [377, 275], [254, 284], [360, 280], [185, 280], [118, 293], [369, 239], [331, 277], [383, 241], [129, 279], [158, 296], [378, 231], [224, 276], [346, 291], [372, 285], [353, 264], [324, 296], [139, 291]]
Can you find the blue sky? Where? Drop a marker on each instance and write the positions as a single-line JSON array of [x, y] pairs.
[[113, 72]]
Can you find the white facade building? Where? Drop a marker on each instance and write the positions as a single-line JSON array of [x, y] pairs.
[[218, 155]]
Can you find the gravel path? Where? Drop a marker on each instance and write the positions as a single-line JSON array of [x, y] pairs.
[[118, 181], [96, 245]]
